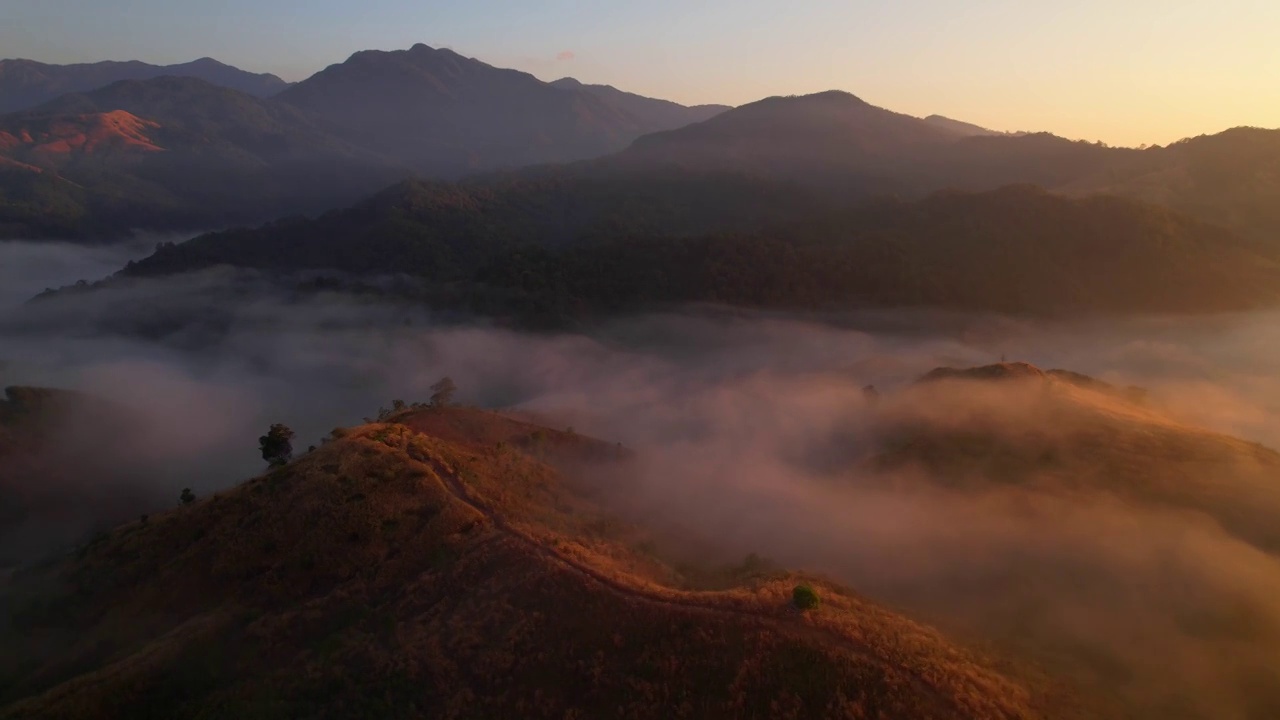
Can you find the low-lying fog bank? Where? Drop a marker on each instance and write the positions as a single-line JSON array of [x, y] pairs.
[[31, 267], [743, 420]]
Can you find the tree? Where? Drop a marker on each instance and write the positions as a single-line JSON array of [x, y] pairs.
[[442, 393], [187, 497], [804, 597], [277, 445]]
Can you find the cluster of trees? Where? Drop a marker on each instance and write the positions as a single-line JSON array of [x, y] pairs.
[[442, 393]]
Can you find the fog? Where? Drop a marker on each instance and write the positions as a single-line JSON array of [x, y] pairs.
[[27, 268], [754, 435]]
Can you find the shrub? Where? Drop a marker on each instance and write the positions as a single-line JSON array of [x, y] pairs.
[[187, 497], [805, 597]]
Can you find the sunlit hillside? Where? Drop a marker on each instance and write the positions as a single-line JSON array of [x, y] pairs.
[[392, 572]]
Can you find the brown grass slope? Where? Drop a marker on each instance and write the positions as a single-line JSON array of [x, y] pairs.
[[394, 574], [1067, 432]]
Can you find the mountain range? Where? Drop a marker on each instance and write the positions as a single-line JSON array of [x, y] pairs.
[[835, 139], [198, 154], [26, 83], [173, 152], [555, 167]]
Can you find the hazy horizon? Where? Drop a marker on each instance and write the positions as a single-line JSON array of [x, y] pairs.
[[1148, 74]]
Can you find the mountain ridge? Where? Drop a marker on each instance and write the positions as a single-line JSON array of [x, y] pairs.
[[26, 83], [655, 112]]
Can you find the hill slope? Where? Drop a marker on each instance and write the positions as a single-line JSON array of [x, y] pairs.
[[173, 152], [27, 83], [1084, 528], [1231, 178], [654, 114], [390, 573], [1103, 438]]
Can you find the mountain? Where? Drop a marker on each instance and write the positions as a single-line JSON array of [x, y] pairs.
[[811, 137], [26, 83], [837, 141], [834, 134], [656, 115], [1231, 178], [396, 572], [449, 115], [171, 153], [576, 247]]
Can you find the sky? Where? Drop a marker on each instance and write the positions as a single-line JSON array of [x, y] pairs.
[[1125, 72]]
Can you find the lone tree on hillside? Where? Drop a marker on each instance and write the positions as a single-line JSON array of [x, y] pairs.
[[442, 393], [277, 445], [186, 498], [804, 598]]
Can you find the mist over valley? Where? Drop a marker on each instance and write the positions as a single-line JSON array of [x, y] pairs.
[[753, 434]]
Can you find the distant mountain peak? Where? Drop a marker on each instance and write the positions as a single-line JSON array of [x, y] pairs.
[[829, 96], [448, 115]]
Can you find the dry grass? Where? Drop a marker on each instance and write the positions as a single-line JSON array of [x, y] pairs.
[[393, 573]]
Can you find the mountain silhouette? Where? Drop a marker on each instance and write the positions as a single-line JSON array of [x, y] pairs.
[[27, 83], [792, 136], [446, 114]]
